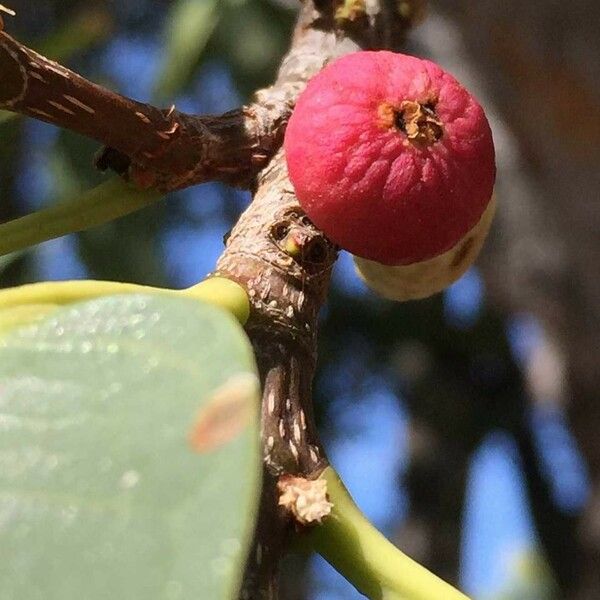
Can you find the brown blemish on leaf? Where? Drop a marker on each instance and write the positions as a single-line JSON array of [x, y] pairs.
[[226, 414]]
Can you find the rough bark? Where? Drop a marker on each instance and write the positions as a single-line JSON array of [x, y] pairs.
[[285, 293], [157, 148]]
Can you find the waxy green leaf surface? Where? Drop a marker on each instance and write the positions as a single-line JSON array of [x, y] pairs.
[[129, 455]]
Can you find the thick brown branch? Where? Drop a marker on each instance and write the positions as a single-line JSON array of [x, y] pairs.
[[285, 262], [165, 149]]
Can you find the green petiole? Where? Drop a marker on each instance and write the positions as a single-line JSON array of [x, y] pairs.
[[102, 204], [352, 545], [14, 301]]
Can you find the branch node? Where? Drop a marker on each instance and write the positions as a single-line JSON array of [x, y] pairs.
[[304, 499]]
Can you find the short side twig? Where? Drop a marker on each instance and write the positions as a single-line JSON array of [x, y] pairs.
[[164, 149]]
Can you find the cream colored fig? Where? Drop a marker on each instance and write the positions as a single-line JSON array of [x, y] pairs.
[[428, 277]]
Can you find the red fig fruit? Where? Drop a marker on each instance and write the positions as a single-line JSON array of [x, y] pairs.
[[394, 161]]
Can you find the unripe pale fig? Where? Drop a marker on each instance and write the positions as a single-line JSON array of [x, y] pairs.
[[422, 279], [394, 160]]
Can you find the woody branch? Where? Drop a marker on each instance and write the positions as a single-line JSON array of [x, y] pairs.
[[163, 149], [285, 263]]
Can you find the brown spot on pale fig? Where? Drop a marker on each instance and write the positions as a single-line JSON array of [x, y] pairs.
[[463, 252], [226, 415]]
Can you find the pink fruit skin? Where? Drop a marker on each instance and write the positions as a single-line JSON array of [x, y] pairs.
[[369, 188]]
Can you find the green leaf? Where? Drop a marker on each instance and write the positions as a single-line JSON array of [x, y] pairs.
[[189, 27], [220, 291], [129, 454], [11, 318]]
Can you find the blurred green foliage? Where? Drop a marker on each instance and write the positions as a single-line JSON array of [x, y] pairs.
[[189, 28]]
